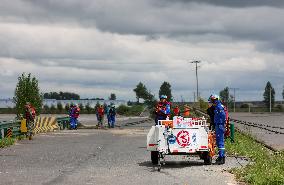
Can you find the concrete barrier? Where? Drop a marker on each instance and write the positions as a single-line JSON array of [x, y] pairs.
[[45, 124]]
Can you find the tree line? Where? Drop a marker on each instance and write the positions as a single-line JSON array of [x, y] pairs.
[[71, 96], [27, 90], [268, 95], [61, 96], [143, 93]]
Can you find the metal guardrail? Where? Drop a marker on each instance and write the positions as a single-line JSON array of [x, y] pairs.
[[250, 124], [260, 126], [63, 122], [10, 128]]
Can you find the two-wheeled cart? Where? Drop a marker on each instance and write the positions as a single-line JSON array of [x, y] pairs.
[[181, 136]]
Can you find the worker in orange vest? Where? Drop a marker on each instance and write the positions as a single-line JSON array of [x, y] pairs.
[[176, 111], [29, 115], [186, 111], [101, 113]]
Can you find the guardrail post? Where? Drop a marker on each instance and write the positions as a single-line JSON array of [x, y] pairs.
[[232, 132], [2, 134]]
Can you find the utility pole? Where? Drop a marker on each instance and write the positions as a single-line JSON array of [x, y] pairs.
[[196, 69], [234, 89], [270, 99]]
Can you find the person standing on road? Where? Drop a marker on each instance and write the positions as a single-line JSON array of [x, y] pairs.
[[176, 111], [227, 122], [219, 121], [112, 114], [101, 114], [107, 109], [210, 112], [30, 114], [163, 109], [74, 114], [186, 111]]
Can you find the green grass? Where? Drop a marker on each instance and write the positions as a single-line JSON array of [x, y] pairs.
[[10, 141], [266, 168], [6, 142], [134, 110]]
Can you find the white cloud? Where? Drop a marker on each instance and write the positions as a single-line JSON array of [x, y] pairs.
[[94, 52]]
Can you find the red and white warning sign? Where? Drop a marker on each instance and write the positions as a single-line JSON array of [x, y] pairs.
[[183, 138]]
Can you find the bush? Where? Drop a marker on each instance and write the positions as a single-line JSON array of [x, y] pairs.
[[203, 104], [59, 107], [81, 106], [135, 110], [27, 90], [7, 110], [88, 108], [67, 107], [245, 105], [123, 109], [52, 109], [279, 107], [6, 142]]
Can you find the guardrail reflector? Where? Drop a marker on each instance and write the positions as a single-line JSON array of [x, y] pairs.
[[9, 133], [24, 125]]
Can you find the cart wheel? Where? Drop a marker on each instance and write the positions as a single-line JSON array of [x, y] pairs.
[[159, 163], [207, 158], [159, 167], [154, 157]]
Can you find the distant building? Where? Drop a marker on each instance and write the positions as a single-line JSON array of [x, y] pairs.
[[8, 103]]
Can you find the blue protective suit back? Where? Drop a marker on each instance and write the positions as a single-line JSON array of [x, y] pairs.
[[219, 114]]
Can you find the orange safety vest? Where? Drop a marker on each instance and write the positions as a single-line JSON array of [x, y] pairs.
[[186, 112]]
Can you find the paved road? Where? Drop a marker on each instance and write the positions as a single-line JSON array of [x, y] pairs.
[[116, 156], [272, 139]]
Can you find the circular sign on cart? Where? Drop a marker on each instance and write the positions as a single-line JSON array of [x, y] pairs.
[[183, 138]]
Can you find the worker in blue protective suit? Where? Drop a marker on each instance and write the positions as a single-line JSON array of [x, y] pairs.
[[219, 122], [74, 114], [107, 109], [163, 109], [112, 114]]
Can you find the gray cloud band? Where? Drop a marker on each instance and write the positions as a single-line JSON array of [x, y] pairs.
[[256, 20]]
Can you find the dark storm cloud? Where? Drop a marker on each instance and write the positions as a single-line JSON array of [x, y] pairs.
[[254, 20], [151, 18]]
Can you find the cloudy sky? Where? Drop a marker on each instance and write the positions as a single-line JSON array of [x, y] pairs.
[[95, 47]]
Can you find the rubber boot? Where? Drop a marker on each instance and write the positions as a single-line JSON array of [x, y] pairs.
[[220, 160]]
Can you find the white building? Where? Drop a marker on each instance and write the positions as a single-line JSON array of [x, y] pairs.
[[8, 103]]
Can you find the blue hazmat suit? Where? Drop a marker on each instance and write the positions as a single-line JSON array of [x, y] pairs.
[[164, 112], [112, 114], [73, 113], [108, 115], [219, 121]]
